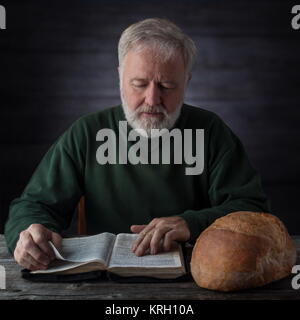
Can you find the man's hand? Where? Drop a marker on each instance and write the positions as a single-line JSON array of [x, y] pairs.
[[33, 251], [159, 234]]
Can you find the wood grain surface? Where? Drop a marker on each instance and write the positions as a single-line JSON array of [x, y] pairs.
[[20, 289]]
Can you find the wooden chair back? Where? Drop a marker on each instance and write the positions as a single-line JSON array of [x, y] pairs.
[[81, 221]]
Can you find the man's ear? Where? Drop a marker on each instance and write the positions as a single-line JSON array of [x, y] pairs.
[[188, 78], [120, 72]]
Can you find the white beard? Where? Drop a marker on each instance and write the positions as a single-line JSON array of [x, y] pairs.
[[165, 121]]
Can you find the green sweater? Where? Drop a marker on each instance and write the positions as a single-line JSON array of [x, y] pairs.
[[119, 195]]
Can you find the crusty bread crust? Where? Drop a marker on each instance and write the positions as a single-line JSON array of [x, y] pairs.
[[242, 250]]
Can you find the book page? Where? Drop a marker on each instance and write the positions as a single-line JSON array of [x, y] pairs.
[[84, 249], [122, 256], [61, 266]]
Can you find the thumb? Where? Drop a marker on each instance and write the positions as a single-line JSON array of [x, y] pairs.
[[137, 228], [56, 239]]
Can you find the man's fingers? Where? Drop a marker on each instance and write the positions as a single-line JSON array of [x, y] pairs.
[[41, 240], [157, 238], [33, 250], [30, 263], [141, 236], [150, 237], [169, 240], [143, 245], [160, 232], [30, 247], [56, 240], [26, 260], [137, 228]]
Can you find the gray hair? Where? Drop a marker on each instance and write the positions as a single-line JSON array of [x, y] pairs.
[[159, 34]]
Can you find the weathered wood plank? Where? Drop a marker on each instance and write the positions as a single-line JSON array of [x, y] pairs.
[[4, 253], [19, 289]]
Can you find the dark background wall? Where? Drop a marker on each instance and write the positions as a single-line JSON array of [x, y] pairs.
[[58, 61]]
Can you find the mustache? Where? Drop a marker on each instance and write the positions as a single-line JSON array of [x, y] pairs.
[[151, 109]]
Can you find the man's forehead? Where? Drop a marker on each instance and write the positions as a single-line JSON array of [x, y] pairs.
[[142, 65], [161, 72], [149, 58]]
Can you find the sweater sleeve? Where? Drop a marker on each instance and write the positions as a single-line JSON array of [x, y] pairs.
[[53, 191], [233, 184]]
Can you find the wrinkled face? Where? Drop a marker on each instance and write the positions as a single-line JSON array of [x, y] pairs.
[[152, 89]]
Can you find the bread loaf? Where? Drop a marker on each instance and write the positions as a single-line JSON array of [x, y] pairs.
[[242, 250]]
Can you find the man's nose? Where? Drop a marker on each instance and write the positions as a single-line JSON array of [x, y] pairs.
[[153, 95]]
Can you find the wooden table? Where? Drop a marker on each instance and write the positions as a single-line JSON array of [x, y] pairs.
[[20, 289]]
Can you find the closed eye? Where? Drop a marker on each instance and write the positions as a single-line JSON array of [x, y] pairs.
[[166, 87], [161, 86], [139, 85]]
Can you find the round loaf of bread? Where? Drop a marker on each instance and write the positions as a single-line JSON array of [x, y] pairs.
[[242, 250]]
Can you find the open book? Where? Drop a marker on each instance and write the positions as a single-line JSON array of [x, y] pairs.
[[107, 251]]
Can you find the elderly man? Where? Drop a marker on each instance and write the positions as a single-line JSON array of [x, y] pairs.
[[158, 201]]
